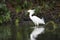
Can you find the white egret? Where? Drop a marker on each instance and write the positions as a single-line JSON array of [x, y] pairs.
[[36, 20]]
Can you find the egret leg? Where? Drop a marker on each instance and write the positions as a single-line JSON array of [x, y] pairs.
[[35, 26]]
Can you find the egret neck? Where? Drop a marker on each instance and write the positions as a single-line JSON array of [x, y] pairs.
[[30, 15]]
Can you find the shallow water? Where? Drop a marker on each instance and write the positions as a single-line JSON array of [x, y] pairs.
[[12, 32]]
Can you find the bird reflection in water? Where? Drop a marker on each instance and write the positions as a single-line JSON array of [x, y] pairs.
[[36, 32]]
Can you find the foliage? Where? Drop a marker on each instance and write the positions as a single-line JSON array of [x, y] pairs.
[[4, 13], [45, 6]]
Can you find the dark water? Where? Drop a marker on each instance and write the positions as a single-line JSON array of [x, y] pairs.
[[22, 32], [13, 32]]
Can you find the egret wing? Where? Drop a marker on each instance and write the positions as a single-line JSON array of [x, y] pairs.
[[39, 20], [36, 18]]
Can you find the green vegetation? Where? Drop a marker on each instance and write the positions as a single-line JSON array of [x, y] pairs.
[[4, 13]]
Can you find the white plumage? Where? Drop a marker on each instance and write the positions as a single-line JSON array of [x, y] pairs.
[[35, 19]]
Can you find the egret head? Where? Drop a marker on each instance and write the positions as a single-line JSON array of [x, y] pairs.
[[31, 11]]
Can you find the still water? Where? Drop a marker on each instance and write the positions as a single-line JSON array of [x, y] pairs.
[[13, 32], [23, 32]]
